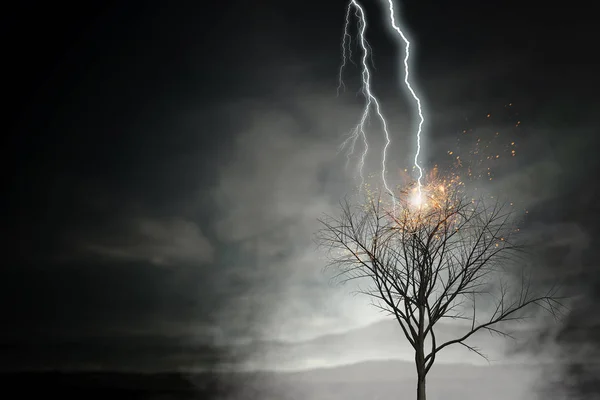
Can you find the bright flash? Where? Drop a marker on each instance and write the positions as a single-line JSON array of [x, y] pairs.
[[417, 198], [435, 193]]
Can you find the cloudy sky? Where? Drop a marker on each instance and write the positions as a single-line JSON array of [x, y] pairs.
[[166, 165]]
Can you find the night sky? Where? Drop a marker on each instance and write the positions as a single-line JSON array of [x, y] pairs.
[[166, 162]]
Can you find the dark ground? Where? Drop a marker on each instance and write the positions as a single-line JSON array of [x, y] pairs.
[[107, 385], [377, 380]]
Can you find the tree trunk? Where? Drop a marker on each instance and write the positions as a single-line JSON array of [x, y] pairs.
[[420, 353], [421, 395], [420, 363]]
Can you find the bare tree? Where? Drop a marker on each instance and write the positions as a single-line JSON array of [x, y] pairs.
[[442, 258]]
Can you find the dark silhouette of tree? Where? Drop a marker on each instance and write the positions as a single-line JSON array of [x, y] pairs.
[[443, 258]]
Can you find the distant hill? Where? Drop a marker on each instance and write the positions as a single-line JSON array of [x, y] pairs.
[[383, 340]]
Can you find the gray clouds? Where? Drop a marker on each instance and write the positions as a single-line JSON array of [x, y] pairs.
[[285, 173], [158, 242]]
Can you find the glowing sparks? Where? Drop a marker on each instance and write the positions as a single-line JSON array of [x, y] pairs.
[[437, 192], [441, 191], [434, 193]]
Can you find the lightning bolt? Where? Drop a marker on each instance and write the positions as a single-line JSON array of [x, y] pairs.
[[411, 90], [346, 44], [371, 101]]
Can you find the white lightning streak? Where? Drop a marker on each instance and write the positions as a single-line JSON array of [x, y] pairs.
[[359, 130], [412, 92], [346, 43]]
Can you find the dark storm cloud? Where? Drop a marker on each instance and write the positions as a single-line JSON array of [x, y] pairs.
[[115, 221], [107, 199]]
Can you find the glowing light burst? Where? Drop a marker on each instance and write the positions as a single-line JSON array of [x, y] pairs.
[[440, 196], [436, 191], [371, 100]]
